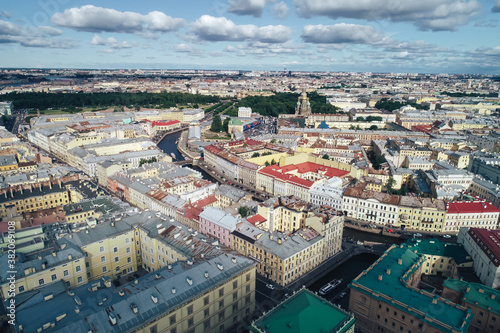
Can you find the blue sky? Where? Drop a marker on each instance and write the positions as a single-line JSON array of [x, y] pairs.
[[426, 36]]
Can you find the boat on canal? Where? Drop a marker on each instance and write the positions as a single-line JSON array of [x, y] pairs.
[[329, 287]]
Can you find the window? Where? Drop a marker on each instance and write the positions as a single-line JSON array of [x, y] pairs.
[[103, 259], [205, 301], [21, 289], [78, 268], [190, 322], [117, 259], [127, 240], [80, 279], [221, 315], [101, 249], [128, 249], [41, 282], [129, 260], [221, 328], [54, 277], [235, 284], [172, 320], [206, 324], [206, 313], [235, 307], [248, 277], [247, 288], [190, 309], [221, 304], [247, 299], [115, 249], [104, 269], [235, 296], [173, 330]]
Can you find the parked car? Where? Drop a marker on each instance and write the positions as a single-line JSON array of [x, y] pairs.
[[270, 286], [418, 235], [446, 236], [390, 230]]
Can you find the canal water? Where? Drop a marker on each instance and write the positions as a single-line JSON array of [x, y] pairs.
[[358, 235], [347, 272], [168, 145]]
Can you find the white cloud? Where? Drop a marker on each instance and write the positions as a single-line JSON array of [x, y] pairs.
[[191, 50], [111, 42], [280, 10], [496, 7], [247, 7], [5, 14], [343, 33], [217, 29], [433, 15], [98, 19], [32, 37], [49, 31]]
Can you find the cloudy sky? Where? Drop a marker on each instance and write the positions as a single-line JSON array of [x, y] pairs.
[[426, 36]]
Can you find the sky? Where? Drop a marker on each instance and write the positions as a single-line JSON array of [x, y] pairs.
[[398, 36]]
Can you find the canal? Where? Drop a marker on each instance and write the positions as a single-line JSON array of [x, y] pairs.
[[346, 272], [358, 235], [168, 145]]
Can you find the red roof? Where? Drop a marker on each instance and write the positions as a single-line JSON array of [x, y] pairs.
[[256, 219], [167, 123], [489, 241], [469, 207]]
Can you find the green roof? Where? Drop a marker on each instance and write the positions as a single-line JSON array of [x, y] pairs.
[[437, 248], [385, 281], [304, 312], [236, 122], [477, 294]]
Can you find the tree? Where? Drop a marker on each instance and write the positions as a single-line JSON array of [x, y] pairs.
[[373, 118], [373, 127], [326, 157], [243, 211], [216, 124], [137, 108], [255, 155], [360, 119], [267, 164], [273, 162], [225, 125], [390, 184]]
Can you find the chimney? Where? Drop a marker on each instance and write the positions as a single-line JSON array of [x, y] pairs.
[[400, 261], [492, 296], [434, 301], [380, 277], [388, 271]]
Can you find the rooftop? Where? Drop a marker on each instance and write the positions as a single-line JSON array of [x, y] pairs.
[[35, 312], [386, 280], [304, 312]]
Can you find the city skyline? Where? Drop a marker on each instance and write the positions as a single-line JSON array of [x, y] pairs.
[[445, 36]]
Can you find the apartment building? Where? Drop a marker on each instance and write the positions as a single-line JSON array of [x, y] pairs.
[[34, 197], [470, 214], [480, 299], [110, 248], [486, 190], [386, 297], [209, 296], [216, 223], [370, 206], [328, 193], [64, 263], [280, 258], [482, 246]]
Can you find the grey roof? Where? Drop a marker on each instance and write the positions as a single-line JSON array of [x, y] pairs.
[[219, 217], [48, 258], [91, 315], [290, 245], [8, 159]]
